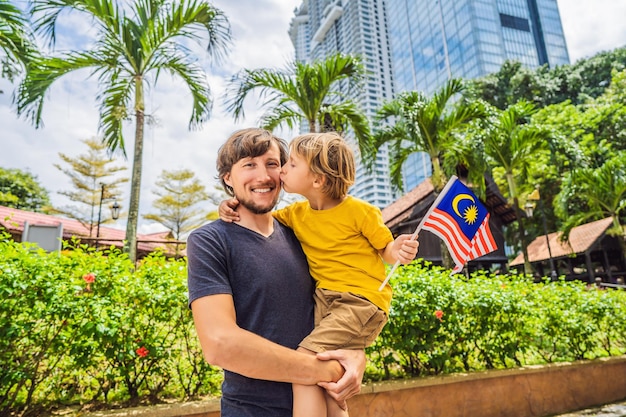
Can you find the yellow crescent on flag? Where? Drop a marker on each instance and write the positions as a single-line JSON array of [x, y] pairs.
[[457, 200]]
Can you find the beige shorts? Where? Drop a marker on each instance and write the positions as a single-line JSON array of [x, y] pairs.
[[343, 321]]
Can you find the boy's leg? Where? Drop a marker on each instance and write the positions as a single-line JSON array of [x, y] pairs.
[[333, 408], [309, 400]]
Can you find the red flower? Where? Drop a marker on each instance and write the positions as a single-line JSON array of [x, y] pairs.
[[89, 278], [142, 352], [439, 315]]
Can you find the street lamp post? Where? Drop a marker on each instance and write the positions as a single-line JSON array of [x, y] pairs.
[[115, 210], [534, 196], [100, 209]]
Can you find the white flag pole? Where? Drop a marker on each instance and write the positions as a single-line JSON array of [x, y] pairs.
[[420, 225]]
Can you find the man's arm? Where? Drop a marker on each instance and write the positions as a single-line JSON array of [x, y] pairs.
[[228, 346]]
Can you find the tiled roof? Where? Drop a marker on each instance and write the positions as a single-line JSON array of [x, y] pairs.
[[581, 238], [401, 209], [13, 220]]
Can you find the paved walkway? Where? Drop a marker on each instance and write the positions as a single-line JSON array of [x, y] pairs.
[[611, 410]]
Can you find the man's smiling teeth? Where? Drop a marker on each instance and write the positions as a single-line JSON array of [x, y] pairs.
[[262, 190]]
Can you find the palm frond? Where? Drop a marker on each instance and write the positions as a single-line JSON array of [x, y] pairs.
[[115, 99], [42, 74], [280, 115]]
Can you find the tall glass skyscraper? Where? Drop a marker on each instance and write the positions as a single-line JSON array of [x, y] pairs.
[[435, 40], [321, 28]]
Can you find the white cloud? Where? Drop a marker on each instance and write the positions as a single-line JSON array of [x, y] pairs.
[[592, 26], [260, 41]]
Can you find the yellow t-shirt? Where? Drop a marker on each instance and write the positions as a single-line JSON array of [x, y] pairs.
[[341, 245]]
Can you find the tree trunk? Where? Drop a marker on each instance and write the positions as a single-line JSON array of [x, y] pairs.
[[437, 177], [130, 246], [518, 213]]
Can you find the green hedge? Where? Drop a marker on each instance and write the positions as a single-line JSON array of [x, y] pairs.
[[125, 337], [86, 327], [441, 323]]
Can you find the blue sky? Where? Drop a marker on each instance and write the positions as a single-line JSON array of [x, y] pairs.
[[260, 41]]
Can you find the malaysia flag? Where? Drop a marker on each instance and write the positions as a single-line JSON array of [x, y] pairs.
[[462, 222]]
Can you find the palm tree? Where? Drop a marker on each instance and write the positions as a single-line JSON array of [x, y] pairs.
[[16, 42], [135, 43], [602, 192], [418, 123], [305, 92], [413, 122], [512, 143]]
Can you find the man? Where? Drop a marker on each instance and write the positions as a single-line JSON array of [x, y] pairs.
[[251, 293]]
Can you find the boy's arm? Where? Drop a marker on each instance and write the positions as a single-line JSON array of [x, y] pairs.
[[228, 346], [227, 210], [403, 250]]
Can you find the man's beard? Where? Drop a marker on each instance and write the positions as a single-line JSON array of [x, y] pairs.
[[256, 208]]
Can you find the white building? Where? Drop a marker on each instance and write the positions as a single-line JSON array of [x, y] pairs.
[[321, 28]]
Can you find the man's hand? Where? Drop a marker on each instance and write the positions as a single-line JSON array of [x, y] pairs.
[[226, 210], [353, 361]]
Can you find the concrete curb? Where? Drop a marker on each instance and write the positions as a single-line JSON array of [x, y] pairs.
[[532, 391]]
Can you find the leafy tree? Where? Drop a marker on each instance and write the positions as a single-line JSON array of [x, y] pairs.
[[16, 41], [135, 43], [512, 83], [416, 123], [95, 182], [590, 77], [512, 143], [179, 194], [314, 93], [609, 112], [586, 79], [20, 190], [598, 125]]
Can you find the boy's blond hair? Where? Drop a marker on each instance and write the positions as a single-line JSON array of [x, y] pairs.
[[329, 156]]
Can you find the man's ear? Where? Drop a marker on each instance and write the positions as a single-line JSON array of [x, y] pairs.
[[227, 180]]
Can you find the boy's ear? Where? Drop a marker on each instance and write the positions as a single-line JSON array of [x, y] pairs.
[[319, 181]]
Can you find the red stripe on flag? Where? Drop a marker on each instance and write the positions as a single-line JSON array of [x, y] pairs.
[[444, 234], [461, 249], [483, 243], [443, 225]]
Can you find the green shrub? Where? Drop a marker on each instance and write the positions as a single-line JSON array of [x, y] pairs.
[[441, 323], [87, 327]]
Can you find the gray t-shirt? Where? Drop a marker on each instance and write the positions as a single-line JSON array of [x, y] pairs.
[[269, 280]]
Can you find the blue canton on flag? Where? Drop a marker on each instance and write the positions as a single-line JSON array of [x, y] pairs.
[[462, 222]]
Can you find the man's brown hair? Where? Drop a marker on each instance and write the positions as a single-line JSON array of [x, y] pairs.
[[329, 156], [246, 143]]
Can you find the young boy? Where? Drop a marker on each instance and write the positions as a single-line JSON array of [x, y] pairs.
[[345, 241]]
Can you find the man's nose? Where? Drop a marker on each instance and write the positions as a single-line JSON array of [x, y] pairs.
[[265, 173]]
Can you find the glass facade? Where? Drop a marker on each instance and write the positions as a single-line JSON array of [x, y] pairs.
[[433, 41]]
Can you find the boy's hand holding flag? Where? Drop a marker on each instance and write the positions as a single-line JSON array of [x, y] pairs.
[[461, 221]]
